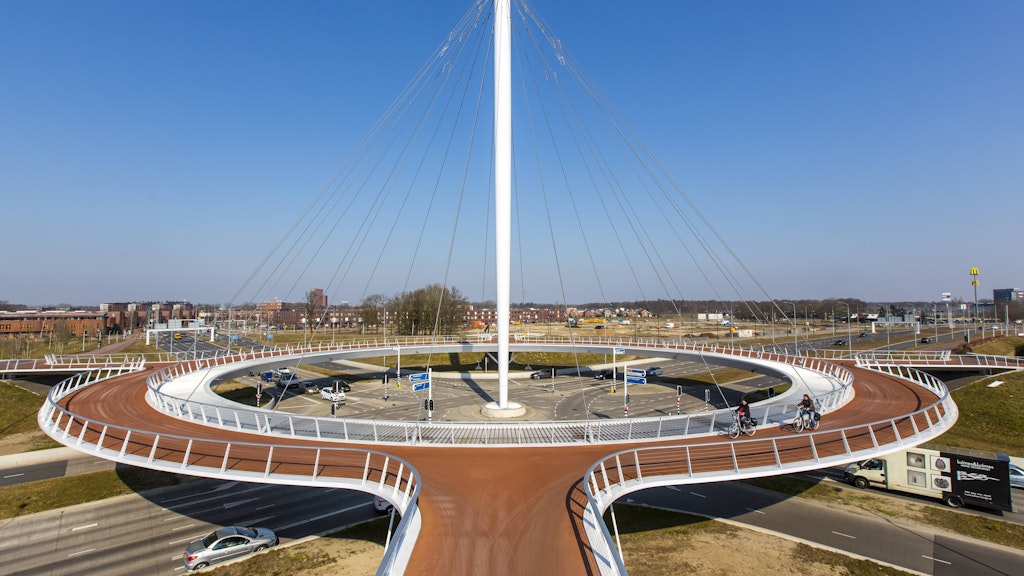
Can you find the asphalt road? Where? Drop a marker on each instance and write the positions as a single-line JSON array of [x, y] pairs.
[[147, 534]]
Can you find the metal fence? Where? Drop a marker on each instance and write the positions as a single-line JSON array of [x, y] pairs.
[[235, 417]]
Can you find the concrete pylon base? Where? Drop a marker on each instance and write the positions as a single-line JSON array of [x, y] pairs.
[[514, 410]]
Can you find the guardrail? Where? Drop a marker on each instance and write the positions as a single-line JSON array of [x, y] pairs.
[[951, 361], [236, 417], [630, 470], [368, 471]]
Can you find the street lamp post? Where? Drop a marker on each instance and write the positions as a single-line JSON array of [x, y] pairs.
[[974, 282], [796, 346], [849, 334]]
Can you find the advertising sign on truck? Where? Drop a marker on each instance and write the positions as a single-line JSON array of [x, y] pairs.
[[953, 475]]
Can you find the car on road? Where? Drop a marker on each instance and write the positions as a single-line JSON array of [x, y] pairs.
[[177, 335], [289, 378], [926, 340], [606, 374], [839, 342], [542, 373], [331, 396], [267, 376], [225, 544], [654, 371], [1016, 476]]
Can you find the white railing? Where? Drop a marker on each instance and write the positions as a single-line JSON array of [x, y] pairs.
[[630, 470], [232, 416], [872, 361], [379, 474]]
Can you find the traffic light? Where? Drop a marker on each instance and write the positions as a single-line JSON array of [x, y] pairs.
[[428, 404], [334, 409]]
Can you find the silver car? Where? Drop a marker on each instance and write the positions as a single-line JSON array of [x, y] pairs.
[[1016, 476], [226, 544]]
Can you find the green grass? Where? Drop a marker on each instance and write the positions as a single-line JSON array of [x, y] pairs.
[[33, 497], [18, 409], [1008, 346], [990, 418]]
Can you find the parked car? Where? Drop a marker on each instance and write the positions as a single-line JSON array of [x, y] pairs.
[[1016, 476], [654, 371], [606, 374], [543, 373], [225, 544], [267, 376]]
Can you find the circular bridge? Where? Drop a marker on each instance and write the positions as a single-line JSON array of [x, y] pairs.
[[469, 488]]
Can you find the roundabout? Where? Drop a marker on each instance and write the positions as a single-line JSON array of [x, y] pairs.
[[470, 487]]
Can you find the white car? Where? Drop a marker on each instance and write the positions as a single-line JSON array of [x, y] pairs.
[[289, 378], [332, 396]]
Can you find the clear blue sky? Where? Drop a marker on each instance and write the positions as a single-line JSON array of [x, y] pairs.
[[156, 149]]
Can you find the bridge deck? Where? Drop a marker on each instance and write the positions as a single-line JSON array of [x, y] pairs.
[[488, 511]]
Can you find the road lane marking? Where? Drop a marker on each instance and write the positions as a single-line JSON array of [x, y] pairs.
[[698, 495], [752, 510], [936, 559], [229, 505], [183, 527], [844, 535], [94, 524], [673, 488], [315, 518], [14, 475], [81, 552]]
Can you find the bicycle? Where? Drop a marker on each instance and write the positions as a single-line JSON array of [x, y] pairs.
[[806, 420], [741, 426]]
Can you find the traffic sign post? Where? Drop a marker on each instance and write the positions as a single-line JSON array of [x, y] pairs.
[[679, 399], [707, 398], [421, 381]]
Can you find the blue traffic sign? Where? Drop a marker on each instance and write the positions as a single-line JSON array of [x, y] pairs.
[[636, 372], [635, 380], [620, 350], [421, 386], [420, 377]]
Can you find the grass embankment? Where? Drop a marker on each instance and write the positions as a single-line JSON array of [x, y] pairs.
[[18, 429], [32, 497]]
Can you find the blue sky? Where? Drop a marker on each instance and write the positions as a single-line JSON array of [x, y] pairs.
[[158, 150]]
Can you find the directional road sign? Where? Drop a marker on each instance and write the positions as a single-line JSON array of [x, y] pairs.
[[417, 386], [636, 372], [635, 380], [620, 350], [420, 377]]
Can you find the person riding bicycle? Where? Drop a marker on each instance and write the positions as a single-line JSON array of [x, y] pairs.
[[806, 407], [743, 412]]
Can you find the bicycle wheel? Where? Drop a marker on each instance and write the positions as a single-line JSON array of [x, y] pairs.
[[798, 424], [734, 430], [749, 430], [813, 424]]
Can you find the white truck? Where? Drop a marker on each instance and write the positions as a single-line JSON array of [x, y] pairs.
[[956, 476]]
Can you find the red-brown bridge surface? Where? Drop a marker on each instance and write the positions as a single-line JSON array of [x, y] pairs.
[[493, 510]]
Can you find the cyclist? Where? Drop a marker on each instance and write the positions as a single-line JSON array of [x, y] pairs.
[[743, 412], [806, 407]]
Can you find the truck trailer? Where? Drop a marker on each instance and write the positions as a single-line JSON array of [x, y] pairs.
[[954, 475]]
